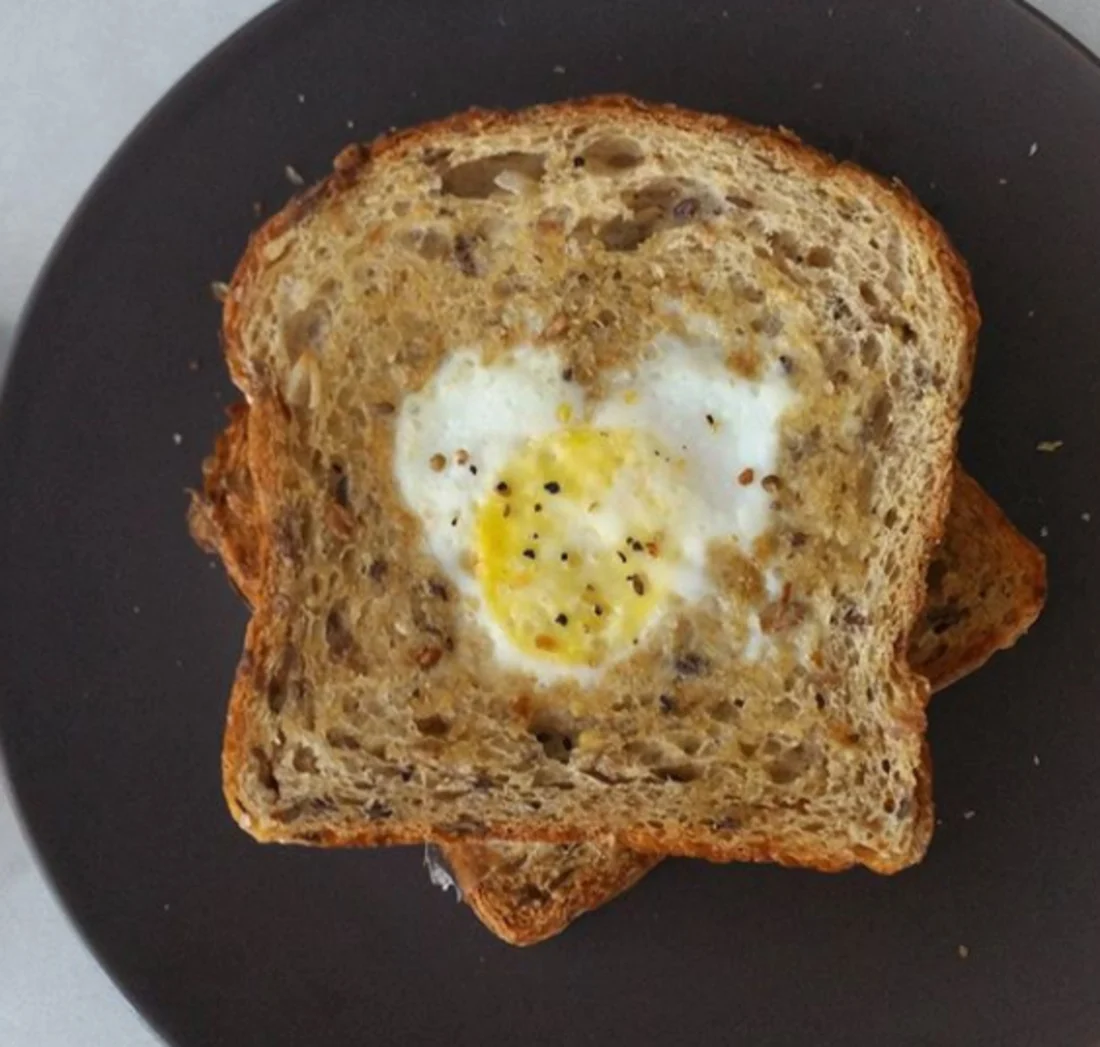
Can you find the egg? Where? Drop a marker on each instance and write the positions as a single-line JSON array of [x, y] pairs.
[[572, 524]]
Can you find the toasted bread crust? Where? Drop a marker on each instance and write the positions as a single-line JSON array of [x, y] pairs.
[[980, 540]]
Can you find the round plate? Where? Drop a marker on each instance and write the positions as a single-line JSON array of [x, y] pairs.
[[118, 641]]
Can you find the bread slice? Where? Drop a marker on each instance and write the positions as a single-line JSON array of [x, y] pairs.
[[774, 718], [987, 584]]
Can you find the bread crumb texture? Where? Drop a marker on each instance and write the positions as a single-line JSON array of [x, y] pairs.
[[368, 707]]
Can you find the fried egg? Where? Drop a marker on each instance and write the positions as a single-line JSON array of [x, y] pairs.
[[570, 525]]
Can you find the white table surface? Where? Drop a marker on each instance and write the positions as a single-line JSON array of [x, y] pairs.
[[75, 77]]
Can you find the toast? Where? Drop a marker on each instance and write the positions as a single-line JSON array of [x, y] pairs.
[[987, 584], [426, 313]]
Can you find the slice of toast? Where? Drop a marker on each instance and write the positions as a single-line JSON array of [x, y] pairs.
[[746, 695], [987, 584]]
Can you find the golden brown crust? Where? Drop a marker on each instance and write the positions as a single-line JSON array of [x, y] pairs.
[[267, 405], [220, 520]]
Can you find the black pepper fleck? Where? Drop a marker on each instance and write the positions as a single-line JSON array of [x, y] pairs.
[[473, 470], [621, 555], [538, 507], [564, 557], [553, 487], [638, 582], [562, 619], [567, 375], [502, 488], [529, 553]]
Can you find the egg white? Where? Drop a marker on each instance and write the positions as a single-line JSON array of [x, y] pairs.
[[473, 416]]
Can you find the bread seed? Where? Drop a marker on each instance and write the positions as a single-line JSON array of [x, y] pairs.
[[427, 657]]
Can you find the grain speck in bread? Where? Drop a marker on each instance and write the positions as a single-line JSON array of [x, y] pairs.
[[365, 709]]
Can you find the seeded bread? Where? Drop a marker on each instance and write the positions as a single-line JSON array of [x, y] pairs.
[[368, 709], [987, 584]]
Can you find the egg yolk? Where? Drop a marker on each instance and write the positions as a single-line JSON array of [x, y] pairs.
[[573, 547]]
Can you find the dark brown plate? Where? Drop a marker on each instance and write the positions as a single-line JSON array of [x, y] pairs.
[[118, 642]]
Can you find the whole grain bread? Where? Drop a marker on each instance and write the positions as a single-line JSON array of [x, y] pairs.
[[367, 708], [987, 584]]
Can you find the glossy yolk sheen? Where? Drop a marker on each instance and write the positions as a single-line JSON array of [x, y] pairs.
[[574, 542]]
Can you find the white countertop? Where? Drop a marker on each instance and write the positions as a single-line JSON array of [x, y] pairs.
[[75, 77]]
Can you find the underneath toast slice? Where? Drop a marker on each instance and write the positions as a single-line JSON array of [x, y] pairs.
[[728, 372], [987, 584]]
